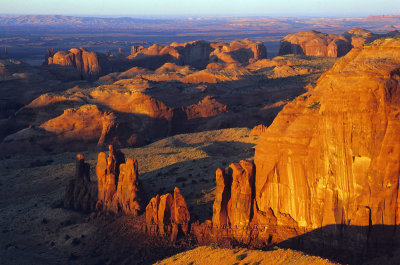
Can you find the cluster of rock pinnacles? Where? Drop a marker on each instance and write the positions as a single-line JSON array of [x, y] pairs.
[[119, 190]]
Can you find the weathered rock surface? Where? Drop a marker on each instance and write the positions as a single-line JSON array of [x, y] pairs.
[[119, 188], [167, 215], [314, 43], [199, 54], [258, 130], [81, 193], [323, 152], [90, 65], [327, 169]]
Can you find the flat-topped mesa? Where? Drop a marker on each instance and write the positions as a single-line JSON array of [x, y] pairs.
[[119, 188], [81, 193], [167, 215]]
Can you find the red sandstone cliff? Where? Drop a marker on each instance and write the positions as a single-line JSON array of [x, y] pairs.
[[333, 155]]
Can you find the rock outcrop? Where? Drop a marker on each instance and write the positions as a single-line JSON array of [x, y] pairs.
[[90, 65], [332, 156], [314, 43], [198, 54], [258, 130], [327, 170], [119, 188], [81, 193], [167, 216]]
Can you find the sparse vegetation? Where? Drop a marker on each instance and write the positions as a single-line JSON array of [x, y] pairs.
[[241, 256], [315, 105], [214, 245]]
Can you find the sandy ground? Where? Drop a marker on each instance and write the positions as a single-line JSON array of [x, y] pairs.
[[209, 255], [36, 230]]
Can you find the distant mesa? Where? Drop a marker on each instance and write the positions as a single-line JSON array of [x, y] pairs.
[[90, 65], [195, 54], [314, 43]]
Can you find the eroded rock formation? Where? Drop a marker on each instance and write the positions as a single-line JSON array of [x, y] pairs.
[[327, 170], [89, 64], [199, 54], [81, 193], [119, 188], [258, 130], [167, 215], [314, 43], [332, 156]]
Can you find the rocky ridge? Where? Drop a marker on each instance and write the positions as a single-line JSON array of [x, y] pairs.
[[314, 43]]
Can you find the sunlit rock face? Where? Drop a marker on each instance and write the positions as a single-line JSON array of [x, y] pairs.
[[314, 43], [90, 65], [199, 54], [167, 215], [332, 156], [119, 188]]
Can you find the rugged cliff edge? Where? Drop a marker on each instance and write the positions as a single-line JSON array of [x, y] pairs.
[[332, 157]]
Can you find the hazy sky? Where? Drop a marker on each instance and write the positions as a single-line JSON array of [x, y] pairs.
[[202, 7]]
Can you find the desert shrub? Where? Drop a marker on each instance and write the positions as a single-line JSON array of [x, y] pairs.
[[241, 256], [214, 245], [314, 105]]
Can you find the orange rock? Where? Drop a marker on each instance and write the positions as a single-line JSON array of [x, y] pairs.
[[258, 130], [240, 204], [129, 188], [181, 212], [90, 64], [152, 215], [207, 107], [167, 215], [222, 196], [314, 43], [119, 188], [334, 153]]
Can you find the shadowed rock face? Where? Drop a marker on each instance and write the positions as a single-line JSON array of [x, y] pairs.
[[167, 216], [81, 193], [119, 188]]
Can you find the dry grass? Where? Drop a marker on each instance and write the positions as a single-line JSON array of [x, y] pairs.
[[207, 255]]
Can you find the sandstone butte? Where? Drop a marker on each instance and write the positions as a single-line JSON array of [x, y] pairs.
[[89, 64], [314, 43]]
